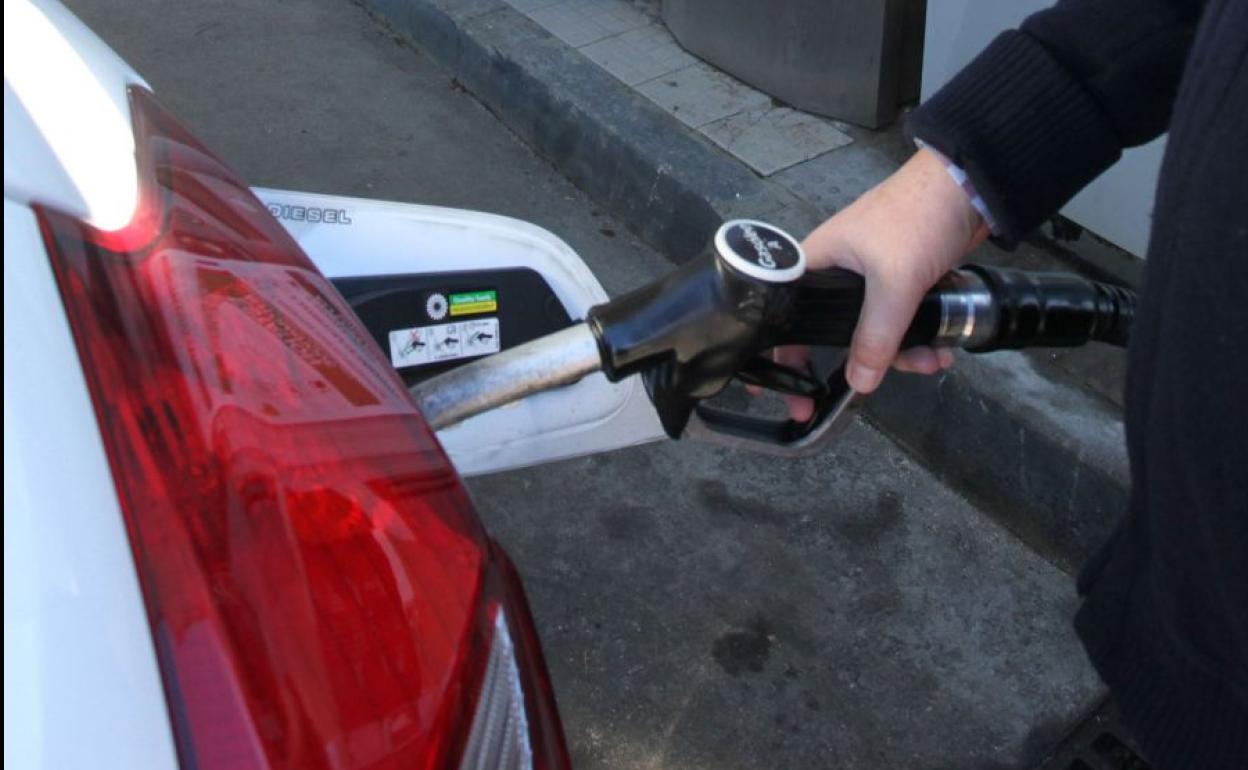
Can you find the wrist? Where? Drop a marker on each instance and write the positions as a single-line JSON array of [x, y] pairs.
[[946, 199], [988, 225]]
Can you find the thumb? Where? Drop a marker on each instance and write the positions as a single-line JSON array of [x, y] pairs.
[[887, 310]]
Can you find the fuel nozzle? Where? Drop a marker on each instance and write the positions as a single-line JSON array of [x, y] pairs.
[[692, 331]]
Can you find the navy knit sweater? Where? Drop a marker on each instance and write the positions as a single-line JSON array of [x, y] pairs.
[[1033, 119]]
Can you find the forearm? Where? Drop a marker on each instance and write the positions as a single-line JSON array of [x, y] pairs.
[[1047, 108]]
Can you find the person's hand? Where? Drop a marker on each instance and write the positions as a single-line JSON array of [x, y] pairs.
[[902, 236]]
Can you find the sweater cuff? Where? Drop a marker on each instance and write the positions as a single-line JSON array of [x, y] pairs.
[[1026, 132]]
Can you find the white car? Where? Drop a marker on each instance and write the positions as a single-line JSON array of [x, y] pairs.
[[230, 538]]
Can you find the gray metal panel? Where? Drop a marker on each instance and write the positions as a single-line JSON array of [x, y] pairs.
[[841, 58]]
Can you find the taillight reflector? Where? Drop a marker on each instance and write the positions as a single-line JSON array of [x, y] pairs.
[[319, 590]]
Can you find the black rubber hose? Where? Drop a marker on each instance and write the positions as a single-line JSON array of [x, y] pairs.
[[1028, 310], [1054, 310]]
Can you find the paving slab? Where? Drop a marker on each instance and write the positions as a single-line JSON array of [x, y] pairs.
[[771, 138], [700, 94], [580, 22], [834, 180], [640, 55]]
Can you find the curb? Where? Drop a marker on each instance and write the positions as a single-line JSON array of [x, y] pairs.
[[611, 142], [1044, 458]]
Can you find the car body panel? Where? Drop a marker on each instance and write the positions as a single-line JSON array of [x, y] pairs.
[[81, 683], [68, 139]]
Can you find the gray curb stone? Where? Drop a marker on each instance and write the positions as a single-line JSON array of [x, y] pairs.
[[1045, 458], [611, 142]]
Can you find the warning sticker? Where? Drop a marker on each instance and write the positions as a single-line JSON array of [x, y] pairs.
[[444, 342], [474, 302]]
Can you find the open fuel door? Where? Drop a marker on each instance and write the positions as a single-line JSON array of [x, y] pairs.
[[439, 287]]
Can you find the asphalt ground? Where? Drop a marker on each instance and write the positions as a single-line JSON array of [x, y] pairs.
[[699, 608]]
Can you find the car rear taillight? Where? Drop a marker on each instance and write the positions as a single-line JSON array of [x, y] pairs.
[[320, 591]]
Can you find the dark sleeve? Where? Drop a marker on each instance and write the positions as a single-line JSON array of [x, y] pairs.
[[1047, 107]]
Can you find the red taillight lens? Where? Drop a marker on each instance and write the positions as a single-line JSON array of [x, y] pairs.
[[320, 592]]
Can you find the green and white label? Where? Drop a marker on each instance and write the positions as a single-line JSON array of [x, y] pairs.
[[474, 302]]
